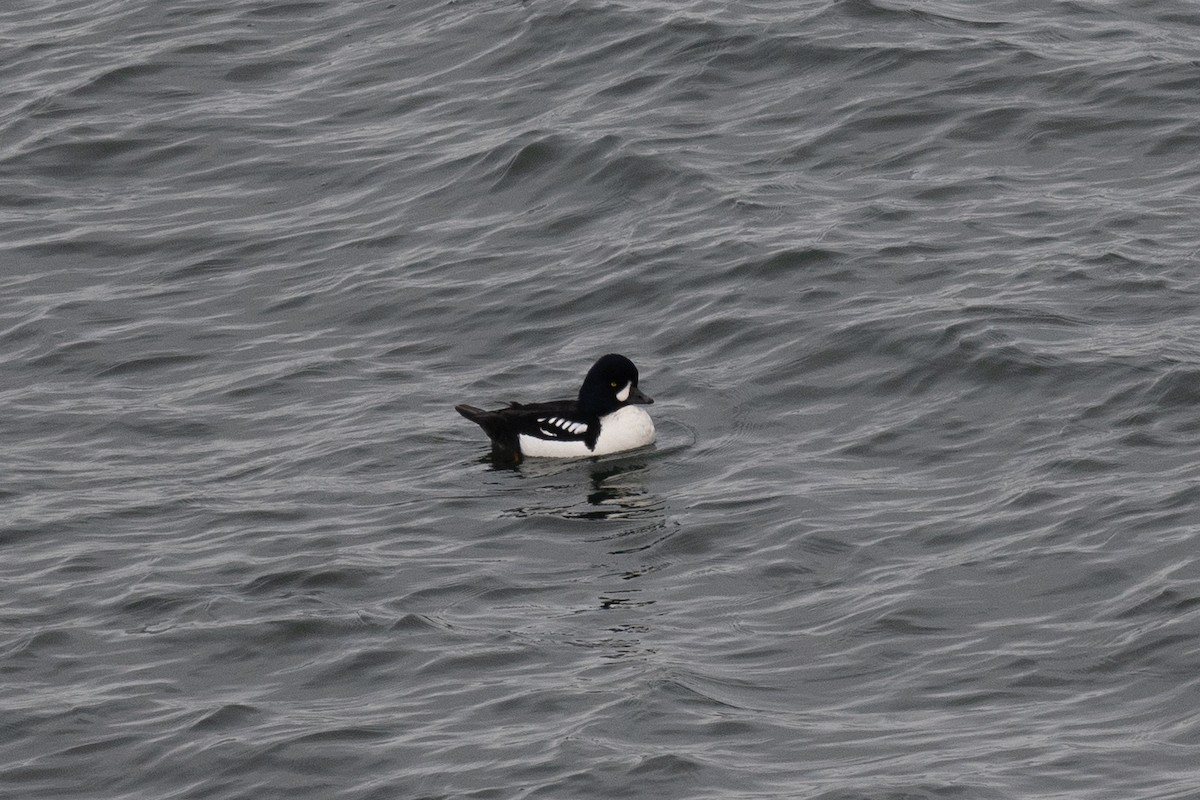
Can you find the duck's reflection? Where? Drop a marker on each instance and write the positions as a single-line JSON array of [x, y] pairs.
[[624, 527], [612, 490]]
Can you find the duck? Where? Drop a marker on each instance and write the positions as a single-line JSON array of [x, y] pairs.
[[605, 418]]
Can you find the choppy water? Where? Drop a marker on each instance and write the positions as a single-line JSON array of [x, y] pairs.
[[914, 285]]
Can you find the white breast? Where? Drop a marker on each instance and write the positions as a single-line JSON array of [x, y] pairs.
[[624, 429]]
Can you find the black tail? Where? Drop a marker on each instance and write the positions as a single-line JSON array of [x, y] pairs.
[[472, 413], [504, 439]]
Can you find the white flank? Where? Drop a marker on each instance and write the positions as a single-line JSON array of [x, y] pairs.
[[624, 429]]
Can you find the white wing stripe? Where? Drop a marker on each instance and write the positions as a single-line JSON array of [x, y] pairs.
[[563, 426]]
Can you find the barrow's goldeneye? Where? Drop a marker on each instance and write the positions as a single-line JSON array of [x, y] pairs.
[[604, 419]]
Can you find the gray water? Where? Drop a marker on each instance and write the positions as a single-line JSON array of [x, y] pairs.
[[914, 285]]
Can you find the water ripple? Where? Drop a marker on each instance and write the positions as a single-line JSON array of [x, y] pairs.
[[911, 287]]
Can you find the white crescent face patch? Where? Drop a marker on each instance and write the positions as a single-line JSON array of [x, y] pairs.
[[623, 395]]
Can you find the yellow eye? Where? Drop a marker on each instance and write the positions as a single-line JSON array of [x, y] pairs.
[[613, 384]]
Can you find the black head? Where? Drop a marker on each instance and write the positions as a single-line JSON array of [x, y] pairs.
[[610, 383]]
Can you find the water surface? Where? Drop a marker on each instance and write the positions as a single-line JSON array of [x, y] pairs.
[[913, 286]]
